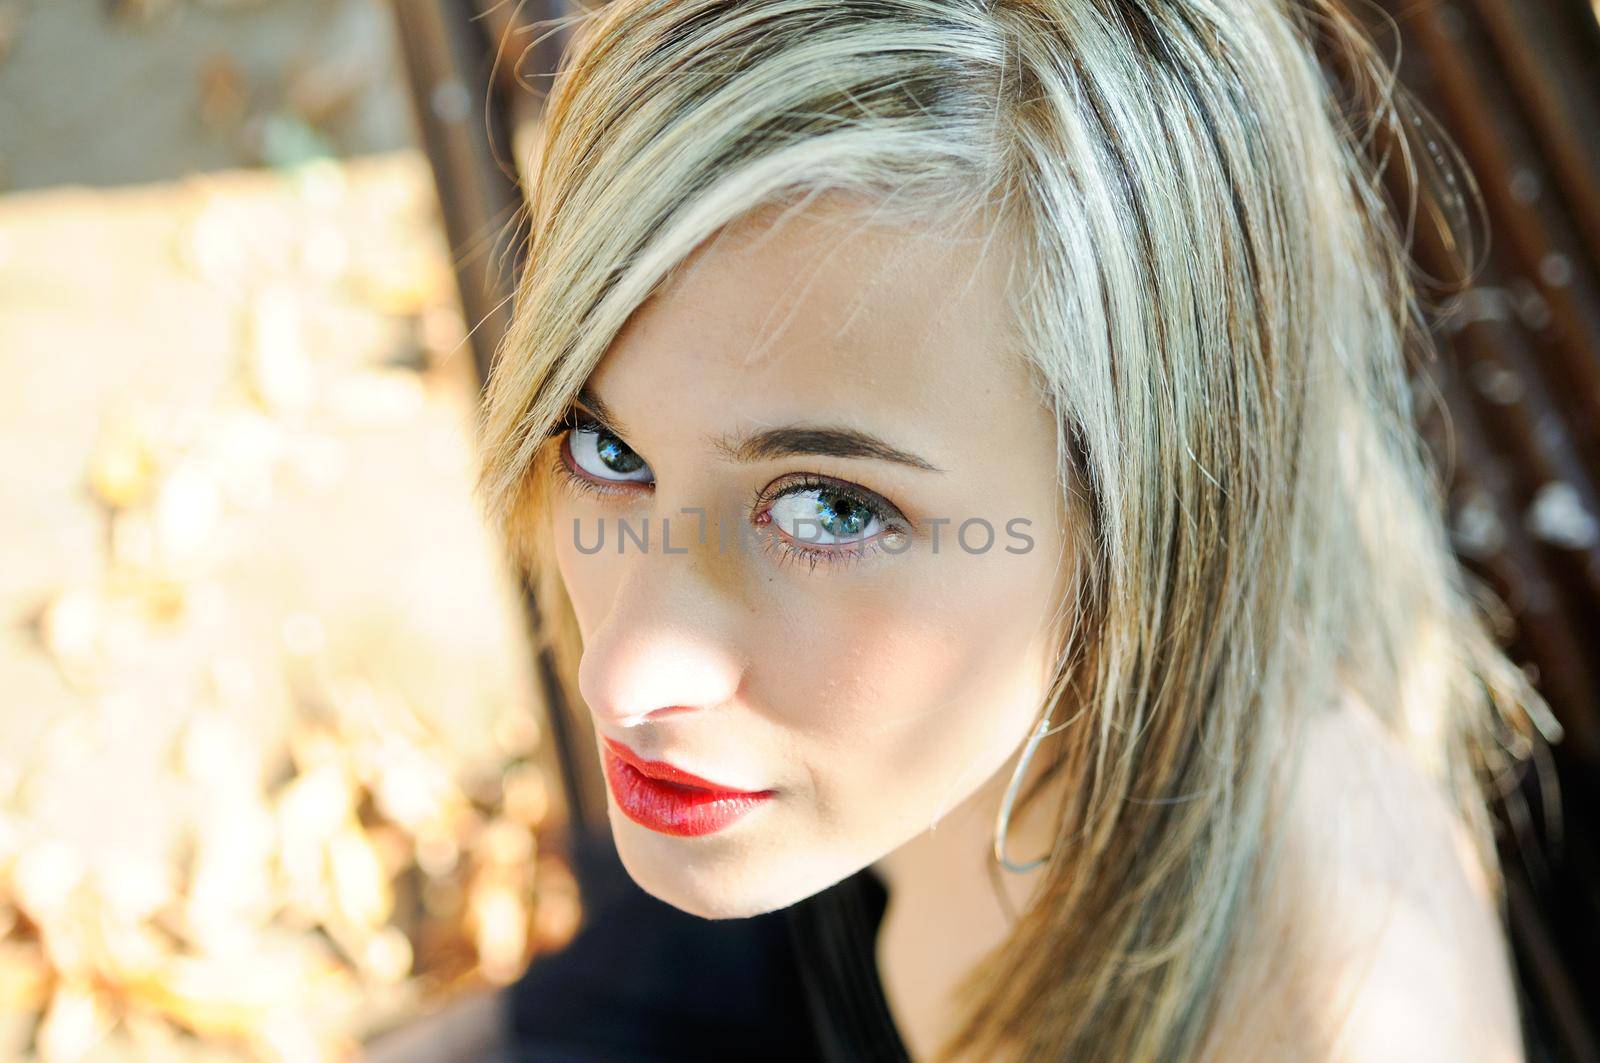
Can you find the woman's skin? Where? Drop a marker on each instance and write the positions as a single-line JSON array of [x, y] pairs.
[[1381, 940], [885, 697]]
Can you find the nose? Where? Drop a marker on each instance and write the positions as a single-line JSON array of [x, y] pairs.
[[667, 645]]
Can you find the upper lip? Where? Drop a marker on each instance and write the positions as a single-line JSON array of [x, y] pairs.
[[665, 772]]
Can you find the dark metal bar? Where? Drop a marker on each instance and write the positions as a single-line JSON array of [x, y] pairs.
[[1528, 225], [1562, 108], [464, 116]]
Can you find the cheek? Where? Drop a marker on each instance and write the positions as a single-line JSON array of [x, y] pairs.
[[591, 579], [911, 692]]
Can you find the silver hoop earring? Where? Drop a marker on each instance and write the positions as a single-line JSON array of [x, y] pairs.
[[1003, 824]]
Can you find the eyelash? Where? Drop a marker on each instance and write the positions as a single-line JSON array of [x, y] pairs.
[[775, 545]]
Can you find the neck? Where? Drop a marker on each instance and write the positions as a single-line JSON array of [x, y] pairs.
[[945, 912]]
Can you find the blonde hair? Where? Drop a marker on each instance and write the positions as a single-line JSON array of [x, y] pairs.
[[1219, 306]]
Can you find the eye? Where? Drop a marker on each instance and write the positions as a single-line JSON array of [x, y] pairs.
[[602, 455], [825, 515], [820, 520]]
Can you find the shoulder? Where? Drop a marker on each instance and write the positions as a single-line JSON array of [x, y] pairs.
[[1380, 937]]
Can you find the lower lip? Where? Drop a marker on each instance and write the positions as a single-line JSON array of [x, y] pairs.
[[669, 808]]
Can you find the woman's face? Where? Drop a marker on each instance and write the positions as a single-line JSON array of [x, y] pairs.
[[850, 618]]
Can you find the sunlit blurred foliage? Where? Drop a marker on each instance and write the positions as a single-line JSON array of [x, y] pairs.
[[270, 775]]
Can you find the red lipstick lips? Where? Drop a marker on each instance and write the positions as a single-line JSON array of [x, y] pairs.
[[657, 795]]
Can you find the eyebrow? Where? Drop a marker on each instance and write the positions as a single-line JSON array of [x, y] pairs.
[[787, 440], [783, 440]]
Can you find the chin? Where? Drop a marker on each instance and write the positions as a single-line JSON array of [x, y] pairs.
[[712, 880]]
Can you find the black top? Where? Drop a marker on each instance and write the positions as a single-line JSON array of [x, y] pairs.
[[834, 935], [643, 981]]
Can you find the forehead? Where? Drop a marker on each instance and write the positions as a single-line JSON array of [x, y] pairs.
[[785, 315]]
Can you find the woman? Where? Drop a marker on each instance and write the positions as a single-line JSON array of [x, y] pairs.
[[966, 447]]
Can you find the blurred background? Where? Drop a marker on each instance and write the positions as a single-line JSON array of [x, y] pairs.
[[274, 774], [281, 774]]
